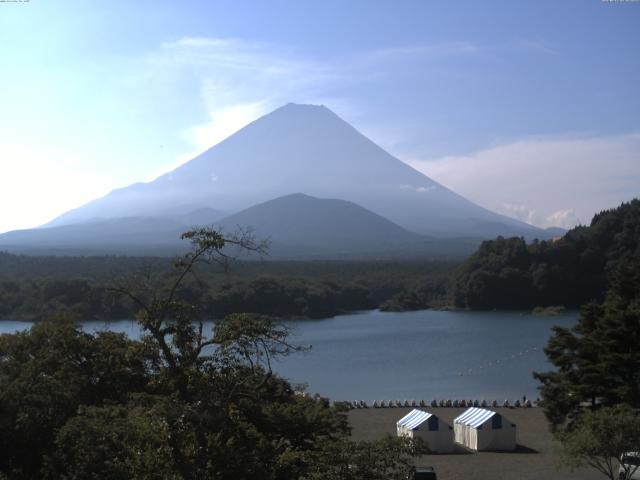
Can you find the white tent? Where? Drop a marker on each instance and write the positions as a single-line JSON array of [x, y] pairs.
[[437, 434], [480, 429]]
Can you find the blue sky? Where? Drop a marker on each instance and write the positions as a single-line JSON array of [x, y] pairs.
[[530, 109]]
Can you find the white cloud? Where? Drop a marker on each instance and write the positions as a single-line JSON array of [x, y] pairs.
[[223, 123], [424, 52], [417, 189], [564, 218], [421, 51], [197, 42], [521, 212], [545, 181]]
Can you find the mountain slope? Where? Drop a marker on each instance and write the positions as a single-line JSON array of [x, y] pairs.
[[309, 149], [125, 235], [128, 235], [303, 224]]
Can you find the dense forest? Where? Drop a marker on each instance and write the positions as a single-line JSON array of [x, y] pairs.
[[506, 273], [571, 271], [31, 288]]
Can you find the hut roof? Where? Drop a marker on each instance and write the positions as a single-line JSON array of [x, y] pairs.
[[414, 418], [474, 417]]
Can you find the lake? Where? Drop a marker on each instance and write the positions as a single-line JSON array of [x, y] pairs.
[[426, 354]]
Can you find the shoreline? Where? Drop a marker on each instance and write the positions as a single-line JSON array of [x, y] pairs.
[[435, 404]]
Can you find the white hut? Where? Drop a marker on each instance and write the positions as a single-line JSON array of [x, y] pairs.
[[481, 429], [437, 434]]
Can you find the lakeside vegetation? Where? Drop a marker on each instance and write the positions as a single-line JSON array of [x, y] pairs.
[[31, 288]]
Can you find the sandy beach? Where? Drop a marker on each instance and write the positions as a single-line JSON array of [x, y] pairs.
[[535, 458]]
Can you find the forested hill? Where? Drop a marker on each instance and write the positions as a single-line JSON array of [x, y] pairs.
[[508, 273]]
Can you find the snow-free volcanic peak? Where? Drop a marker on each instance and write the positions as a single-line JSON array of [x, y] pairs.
[[308, 149]]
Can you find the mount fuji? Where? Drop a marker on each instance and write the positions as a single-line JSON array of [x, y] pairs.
[[295, 149]]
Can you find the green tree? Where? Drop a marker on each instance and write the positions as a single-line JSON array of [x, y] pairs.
[[115, 441], [180, 403], [47, 373], [592, 398], [390, 458], [597, 361], [572, 271], [601, 438]]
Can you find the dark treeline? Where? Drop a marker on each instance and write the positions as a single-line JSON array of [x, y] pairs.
[[572, 271], [31, 288], [501, 274]]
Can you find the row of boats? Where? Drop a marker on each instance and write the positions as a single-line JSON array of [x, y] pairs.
[[525, 403]]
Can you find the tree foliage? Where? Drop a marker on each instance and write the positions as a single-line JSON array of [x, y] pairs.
[[47, 373], [601, 439], [180, 403], [572, 271], [31, 288], [598, 360], [387, 459], [592, 397]]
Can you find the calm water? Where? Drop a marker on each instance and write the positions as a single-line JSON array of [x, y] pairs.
[[414, 355]]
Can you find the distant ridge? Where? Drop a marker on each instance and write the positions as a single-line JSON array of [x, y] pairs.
[[122, 236], [297, 226]]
